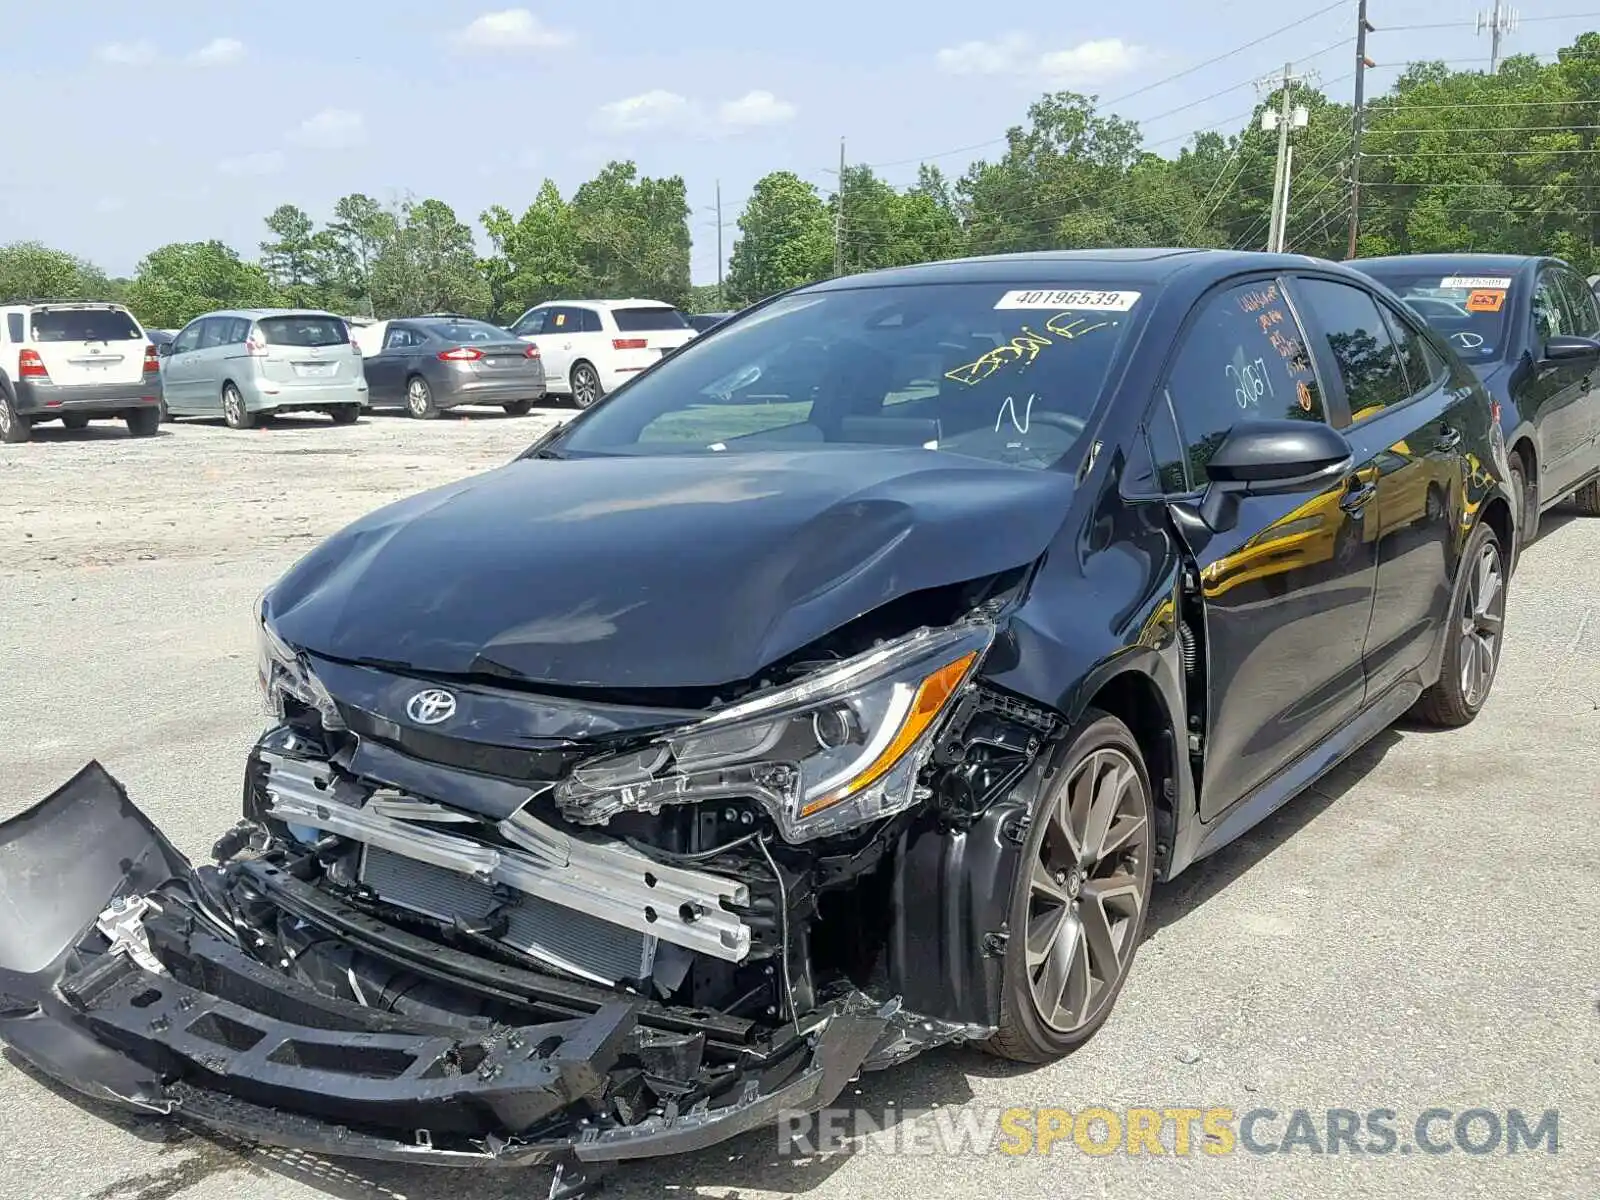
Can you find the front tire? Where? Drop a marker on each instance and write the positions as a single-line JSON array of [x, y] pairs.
[[1525, 495], [518, 408], [234, 411], [143, 422], [419, 399], [1079, 900], [1474, 631], [586, 389]]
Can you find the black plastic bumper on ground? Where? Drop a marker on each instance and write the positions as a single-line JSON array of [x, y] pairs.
[[223, 1041]]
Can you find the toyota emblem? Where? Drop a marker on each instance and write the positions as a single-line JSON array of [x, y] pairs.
[[431, 706]]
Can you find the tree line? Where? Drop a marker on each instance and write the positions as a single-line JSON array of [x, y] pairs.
[[1450, 160]]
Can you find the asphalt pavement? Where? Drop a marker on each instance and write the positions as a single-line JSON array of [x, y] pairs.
[[1418, 932]]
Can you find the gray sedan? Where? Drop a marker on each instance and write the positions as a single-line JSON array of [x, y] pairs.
[[428, 364]]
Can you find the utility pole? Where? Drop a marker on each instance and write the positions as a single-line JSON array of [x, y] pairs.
[[719, 241], [838, 220], [1363, 27], [1498, 21], [1289, 116]]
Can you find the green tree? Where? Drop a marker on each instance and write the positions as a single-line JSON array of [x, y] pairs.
[[785, 239], [429, 265], [535, 256], [359, 232], [178, 282], [32, 270], [301, 261], [632, 234]]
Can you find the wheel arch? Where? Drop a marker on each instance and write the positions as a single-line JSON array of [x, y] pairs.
[[1497, 514], [1133, 697]]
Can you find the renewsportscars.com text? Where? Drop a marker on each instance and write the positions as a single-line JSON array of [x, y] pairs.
[[1212, 1131]]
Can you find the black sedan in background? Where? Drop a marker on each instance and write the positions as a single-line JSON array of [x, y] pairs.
[[701, 322], [1530, 328], [764, 725], [428, 364]]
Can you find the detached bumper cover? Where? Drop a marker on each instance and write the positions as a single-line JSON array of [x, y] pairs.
[[183, 1021]]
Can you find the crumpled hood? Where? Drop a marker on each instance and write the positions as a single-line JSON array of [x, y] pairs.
[[657, 572]]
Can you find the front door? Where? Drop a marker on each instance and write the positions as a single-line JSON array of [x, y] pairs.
[[1287, 591], [1558, 390], [179, 374]]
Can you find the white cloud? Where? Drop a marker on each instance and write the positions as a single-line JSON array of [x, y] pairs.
[[1014, 54], [331, 129], [657, 109], [218, 52], [262, 162], [670, 111], [511, 29], [127, 54], [755, 109]]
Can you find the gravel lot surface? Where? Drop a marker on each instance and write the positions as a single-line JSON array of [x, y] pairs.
[[1418, 931]]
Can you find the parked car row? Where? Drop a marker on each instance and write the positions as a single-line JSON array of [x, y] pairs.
[[845, 687]]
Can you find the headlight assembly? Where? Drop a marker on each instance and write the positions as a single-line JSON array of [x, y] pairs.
[[831, 752], [282, 673]]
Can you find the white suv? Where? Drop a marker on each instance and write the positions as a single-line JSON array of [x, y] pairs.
[[75, 361], [591, 347]]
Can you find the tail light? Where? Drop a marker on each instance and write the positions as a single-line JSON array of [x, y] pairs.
[[31, 366], [152, 360], [255, 345], [531, 352], [628, 343], [461, 354]]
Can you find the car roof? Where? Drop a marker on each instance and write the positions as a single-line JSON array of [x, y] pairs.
[[64, 304], [255, 314], [1455, 264], [605, 304], [1045, 267]]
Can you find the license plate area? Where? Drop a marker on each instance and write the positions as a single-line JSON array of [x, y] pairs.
[[313, 370]]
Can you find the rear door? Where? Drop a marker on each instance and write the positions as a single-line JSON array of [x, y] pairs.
[[1287, 591], [1391, 395], [211, 363], [88, 344], [307, 350]]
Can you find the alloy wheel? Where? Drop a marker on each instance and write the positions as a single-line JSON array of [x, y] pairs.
[[1086, 890], [585, 387], [1482, 620]]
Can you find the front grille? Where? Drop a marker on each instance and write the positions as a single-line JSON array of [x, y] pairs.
[[564, 937], [503, 762]]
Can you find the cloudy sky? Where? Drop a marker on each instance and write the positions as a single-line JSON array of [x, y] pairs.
[[132, 125]]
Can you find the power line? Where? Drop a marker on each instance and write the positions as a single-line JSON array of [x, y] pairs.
[[1462, 23]]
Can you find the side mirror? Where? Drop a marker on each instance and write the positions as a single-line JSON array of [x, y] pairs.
[[1568, 347], [1271, 458], [164, 350]]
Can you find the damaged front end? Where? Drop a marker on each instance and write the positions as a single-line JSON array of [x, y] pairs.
[[618, 931]]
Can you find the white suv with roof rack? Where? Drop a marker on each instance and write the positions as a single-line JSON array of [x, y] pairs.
[[75, 361], [591, 347]]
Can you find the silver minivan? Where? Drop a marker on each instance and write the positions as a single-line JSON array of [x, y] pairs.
[[241, 363]]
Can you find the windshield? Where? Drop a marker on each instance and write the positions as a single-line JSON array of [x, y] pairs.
[[1471, 312], [310, 329], [976, 369], [468, 331], [84, 325]]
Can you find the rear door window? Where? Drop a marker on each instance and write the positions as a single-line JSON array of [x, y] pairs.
[[16, 326], [1242, 357], [84, 325], [648, 319], [1358, 340], [590, 321], [307, 330]]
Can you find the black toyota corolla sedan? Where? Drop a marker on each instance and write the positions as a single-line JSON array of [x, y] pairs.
[[838, 688], [1530, 327]]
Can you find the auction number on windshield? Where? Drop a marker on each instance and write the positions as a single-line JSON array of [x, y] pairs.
[[1250, 381]]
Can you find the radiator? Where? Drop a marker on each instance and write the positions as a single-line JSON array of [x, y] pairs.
[[563, 937]]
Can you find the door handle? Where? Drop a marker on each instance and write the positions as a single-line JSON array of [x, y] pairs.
[[1449, 439], [1357, 497]]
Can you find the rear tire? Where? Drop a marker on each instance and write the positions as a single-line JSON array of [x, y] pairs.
[[345, 414], [1587, 498], [1081, 893], [233, 410], [75, 421], [419, 399], [143, 422], [14, 428], [586, 389], [1475, 631], [518, 408]]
